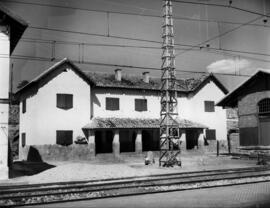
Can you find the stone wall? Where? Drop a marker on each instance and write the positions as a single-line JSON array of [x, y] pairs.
[[56, 152], [212, 146], [234, 142]]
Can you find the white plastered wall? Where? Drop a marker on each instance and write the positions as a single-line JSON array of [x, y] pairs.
[[193, 109], [43, 118], [126, 102], [4, 94]]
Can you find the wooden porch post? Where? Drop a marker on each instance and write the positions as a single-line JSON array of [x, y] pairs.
[[201, 140], [183, 139], [91, 141]]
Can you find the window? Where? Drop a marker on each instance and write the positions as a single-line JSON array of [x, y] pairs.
[[264, 106], [23, 139], [24, 106], [112, 104], [210, 134], [64, 101], [209, 106], [64, 137], [140, 105]]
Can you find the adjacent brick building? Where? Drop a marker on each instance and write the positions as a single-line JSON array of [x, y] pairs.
[[253, 101]]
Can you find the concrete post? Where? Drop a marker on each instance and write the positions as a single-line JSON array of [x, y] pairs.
[[91, 142], [201, 140], [116, 142], [183, 139], [4, 100], [3, 152], [138, 141]]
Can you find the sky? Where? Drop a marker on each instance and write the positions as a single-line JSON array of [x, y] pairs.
[[82, 35]]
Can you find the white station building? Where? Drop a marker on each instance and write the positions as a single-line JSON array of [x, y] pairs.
[[115, 113]]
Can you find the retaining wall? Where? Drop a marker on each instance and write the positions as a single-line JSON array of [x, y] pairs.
[[37, 153]]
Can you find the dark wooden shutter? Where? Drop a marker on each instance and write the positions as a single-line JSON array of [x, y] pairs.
[[69, 101], [210, 134], [140, 105], [209, 106], [64, 101], [23, 139], [24, 106], [64, 137], [112, 103]]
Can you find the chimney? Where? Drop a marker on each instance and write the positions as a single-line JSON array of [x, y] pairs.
[[146, 77], [118, 74]]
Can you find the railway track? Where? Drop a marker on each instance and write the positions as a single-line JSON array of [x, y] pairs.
[[80, 190]]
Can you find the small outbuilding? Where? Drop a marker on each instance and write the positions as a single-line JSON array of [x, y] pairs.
[[253, 101]]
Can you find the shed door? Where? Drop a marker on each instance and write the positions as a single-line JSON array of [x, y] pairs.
[[264, 131]]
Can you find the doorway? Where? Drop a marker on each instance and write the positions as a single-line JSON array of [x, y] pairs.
[[103, 141], [192, 137]]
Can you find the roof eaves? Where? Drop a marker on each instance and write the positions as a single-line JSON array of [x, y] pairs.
[[13, 16], [51, 69], [18, 26], [206, 79], [225, 99]]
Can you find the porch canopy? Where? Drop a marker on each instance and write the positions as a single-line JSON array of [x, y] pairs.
[[137, 123]]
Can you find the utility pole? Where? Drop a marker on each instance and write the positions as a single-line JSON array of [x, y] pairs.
[[169, 128]]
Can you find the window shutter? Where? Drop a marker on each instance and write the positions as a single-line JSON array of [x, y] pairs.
[[24, 106], [69, 101], [209, 106], [23, 139], [144, 105], [64, 137], [112, 103], [60, 101], [64, 101], [140, 105], [210, 134]]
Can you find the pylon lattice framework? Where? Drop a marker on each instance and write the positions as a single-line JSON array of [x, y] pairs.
[[169, 128]]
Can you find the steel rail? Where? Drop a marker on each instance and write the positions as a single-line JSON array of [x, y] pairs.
[[9, 187], [141, 185]]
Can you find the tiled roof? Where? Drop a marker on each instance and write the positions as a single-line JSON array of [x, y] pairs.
[[119, 123], [135, 82], [127, 82]]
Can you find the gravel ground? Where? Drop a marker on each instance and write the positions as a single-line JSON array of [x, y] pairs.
[[132, 166]]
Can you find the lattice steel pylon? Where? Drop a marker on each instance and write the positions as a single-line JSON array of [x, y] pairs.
[[169, 128]]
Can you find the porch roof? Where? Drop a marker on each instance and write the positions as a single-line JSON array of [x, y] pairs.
[[136, 123]]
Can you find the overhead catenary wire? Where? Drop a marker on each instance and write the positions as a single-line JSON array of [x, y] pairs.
[[220, 35], [133, 13], [136, 39], [44, 59], [219, 51], [222, 5], [119, 37], [125, 38]]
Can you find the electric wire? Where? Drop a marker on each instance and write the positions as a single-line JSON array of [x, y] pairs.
[[135, 39], [222, 5], [35, 58], [134, 13], [220, 35]]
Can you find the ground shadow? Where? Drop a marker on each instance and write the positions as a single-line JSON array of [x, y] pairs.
[[26, 168], [33, 165]]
